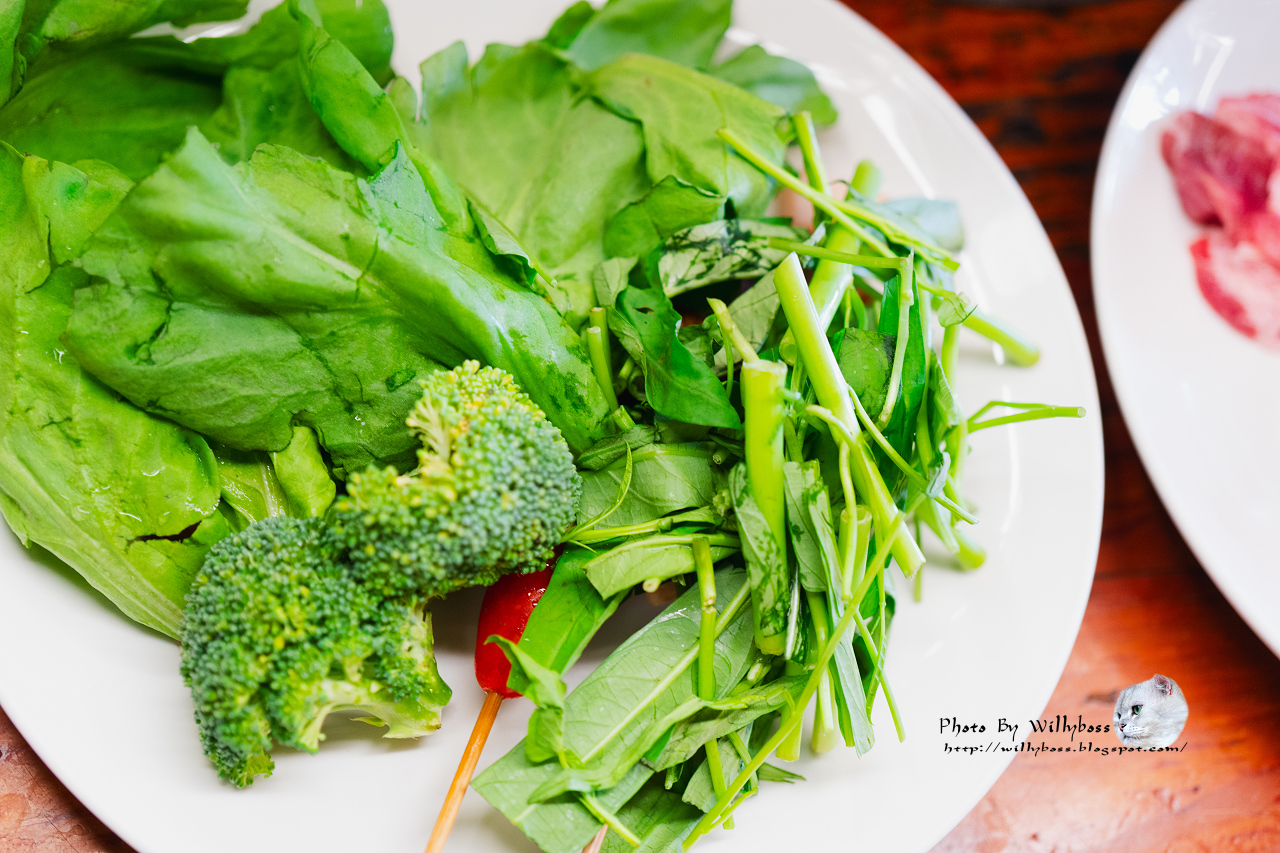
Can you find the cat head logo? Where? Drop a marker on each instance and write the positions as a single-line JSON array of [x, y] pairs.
[[1151, 713]]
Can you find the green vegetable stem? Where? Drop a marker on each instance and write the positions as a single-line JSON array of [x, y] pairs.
[[833, 393]]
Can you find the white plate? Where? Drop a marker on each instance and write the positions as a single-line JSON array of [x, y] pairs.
[[100, 700], [1201, 400]]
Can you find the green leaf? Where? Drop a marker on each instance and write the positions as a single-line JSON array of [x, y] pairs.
[[866, 360], [701, 790], [683, 31], [679, 111], [249, 486], [362, 25], [551, 165], [610, 278], [719, 251], [658, 816], [954, 309], [771, 773], [296, 294], [83, 473], [118, 104], [807, 541], [303, 476], [901, 428], [944, 410], [609, 450], [270, 106], [813, 537], [675, 383], [27, 30], [651, 558], [691, 733], [936, 219], [665, 478], [778, 80], [671, 205], [568, 615], [570, 23], [641, 682], [540, 684], [766, 562]]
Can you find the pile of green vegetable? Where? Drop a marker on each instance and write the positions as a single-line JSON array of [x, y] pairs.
[[250, 282]]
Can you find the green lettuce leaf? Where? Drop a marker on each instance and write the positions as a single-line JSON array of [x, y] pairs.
[[240, 301], [129, 500]]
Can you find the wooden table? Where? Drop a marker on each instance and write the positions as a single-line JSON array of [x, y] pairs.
[[1041, 84]]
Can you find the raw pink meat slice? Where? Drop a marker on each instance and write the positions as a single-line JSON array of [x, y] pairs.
[[1255, 116], [1220, 174], [1241, 286]]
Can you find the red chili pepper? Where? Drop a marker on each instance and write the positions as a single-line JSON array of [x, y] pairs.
[[505, 612]]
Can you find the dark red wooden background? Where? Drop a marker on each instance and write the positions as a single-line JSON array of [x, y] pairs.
[[1041, 84]]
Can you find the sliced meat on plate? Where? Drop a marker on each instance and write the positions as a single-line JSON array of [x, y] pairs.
[[1221, 175], [1241, 285]]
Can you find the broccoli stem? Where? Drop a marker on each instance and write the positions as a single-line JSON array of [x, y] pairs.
[[833, 393], [1017, 349], [765, 407]]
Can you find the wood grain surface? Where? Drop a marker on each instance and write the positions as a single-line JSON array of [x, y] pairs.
[[1041, 83]]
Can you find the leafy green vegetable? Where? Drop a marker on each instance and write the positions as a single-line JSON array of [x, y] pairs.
[[665, 478], [654, 558], [119, 103], [936, 219], [676, 384], [613, 711], [766, 561], [329, 270], [866, 359], [27, 29], [522, 141], [777, 80], [680, 111], [303, 476], [901, 426], [718, 251], [129, 500], [683, 31]]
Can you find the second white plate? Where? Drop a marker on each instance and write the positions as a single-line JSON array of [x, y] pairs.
[[1201, 400]]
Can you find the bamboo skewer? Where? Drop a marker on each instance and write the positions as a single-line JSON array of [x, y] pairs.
[[462, 778], [597, 842], [466, 767]]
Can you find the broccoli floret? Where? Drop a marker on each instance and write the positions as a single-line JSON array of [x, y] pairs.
[[278, 635], [493, 492]]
